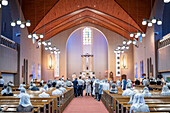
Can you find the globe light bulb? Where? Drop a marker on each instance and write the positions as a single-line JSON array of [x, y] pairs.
[[4, 2], [49, 43], [149, 24], [144, 22], [22, 25], [153, 20], [28, 24], [136, 36], [46, 48], [124, 42], [131, 34], [29, 36], [143, 34], [41, 35], [138, 33], [18, 22], [159, 22], [13, 24], [127, 47]]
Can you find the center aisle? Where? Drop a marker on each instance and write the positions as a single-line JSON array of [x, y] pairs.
[[85, 104]]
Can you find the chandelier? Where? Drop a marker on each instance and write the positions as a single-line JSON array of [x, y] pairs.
[[3, 2], [22, 24], [48, 46], [138, 34], [152, 21]]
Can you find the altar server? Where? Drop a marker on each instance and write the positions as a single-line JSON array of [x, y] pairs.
[[88, 86]]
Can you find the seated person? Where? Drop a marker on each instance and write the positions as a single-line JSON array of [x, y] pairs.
[[160, 80], [145, 82], [113, 89], [34, 88], [54, 83], [46, 87], [57, 91], [69, 83], [43, 93], [8, 92], [4, 90], [10, 83], [61, 88], [31, 85], [49, 83], [22, 91], [150, 89], [118, 83], [152, 81], [146, 92], [128, 90], [4, 108], [132, 98], [25, 104], [1, 81], [41, 83], [20, 87], [139, 104], [137, 82], [129, 81], [165, 90]]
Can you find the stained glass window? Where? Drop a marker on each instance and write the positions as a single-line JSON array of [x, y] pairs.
[[87, 36]]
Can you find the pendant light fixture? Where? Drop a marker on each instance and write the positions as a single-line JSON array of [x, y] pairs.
[[152, 21]]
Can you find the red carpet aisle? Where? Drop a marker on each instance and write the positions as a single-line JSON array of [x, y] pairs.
[[85, 104]]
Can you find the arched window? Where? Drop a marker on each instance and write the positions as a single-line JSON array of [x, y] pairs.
[[87, 36]]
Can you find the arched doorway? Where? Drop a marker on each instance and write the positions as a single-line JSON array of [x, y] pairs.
[[77, 49]]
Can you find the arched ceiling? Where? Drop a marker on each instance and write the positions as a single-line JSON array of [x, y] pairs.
[[53, 16]]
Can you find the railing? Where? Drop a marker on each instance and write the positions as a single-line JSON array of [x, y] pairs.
[[164, 42], [7, 42]]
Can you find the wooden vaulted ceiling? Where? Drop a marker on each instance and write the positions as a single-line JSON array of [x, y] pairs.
[[53, 16]]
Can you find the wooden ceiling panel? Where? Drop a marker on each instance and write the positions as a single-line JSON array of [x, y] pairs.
[[53, 16]]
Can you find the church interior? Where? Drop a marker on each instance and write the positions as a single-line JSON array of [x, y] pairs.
[[78, 56]]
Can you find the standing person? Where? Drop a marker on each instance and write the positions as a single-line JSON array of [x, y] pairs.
[[92, 80], [88, 86], [100, 91], [75, 83], [97, 88], [124, 84], [118, 83], [137, 82], [80, 86], [1, 81]]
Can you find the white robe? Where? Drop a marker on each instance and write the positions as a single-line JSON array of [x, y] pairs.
[[43, 95], [127, 92], [106, 86], [88, 86], [57, 92]]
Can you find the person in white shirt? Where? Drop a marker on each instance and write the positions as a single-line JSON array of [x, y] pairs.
[[88, 86], [10, 83], [43, 93], [4, 90], [59, 82], [113, 89], [57, 91], [1, 81], [118, 83], [22, 91], [128, 90], [80, 87], [61, 88], [106, 85], [69, 83], [46, 87], [145, 82]]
